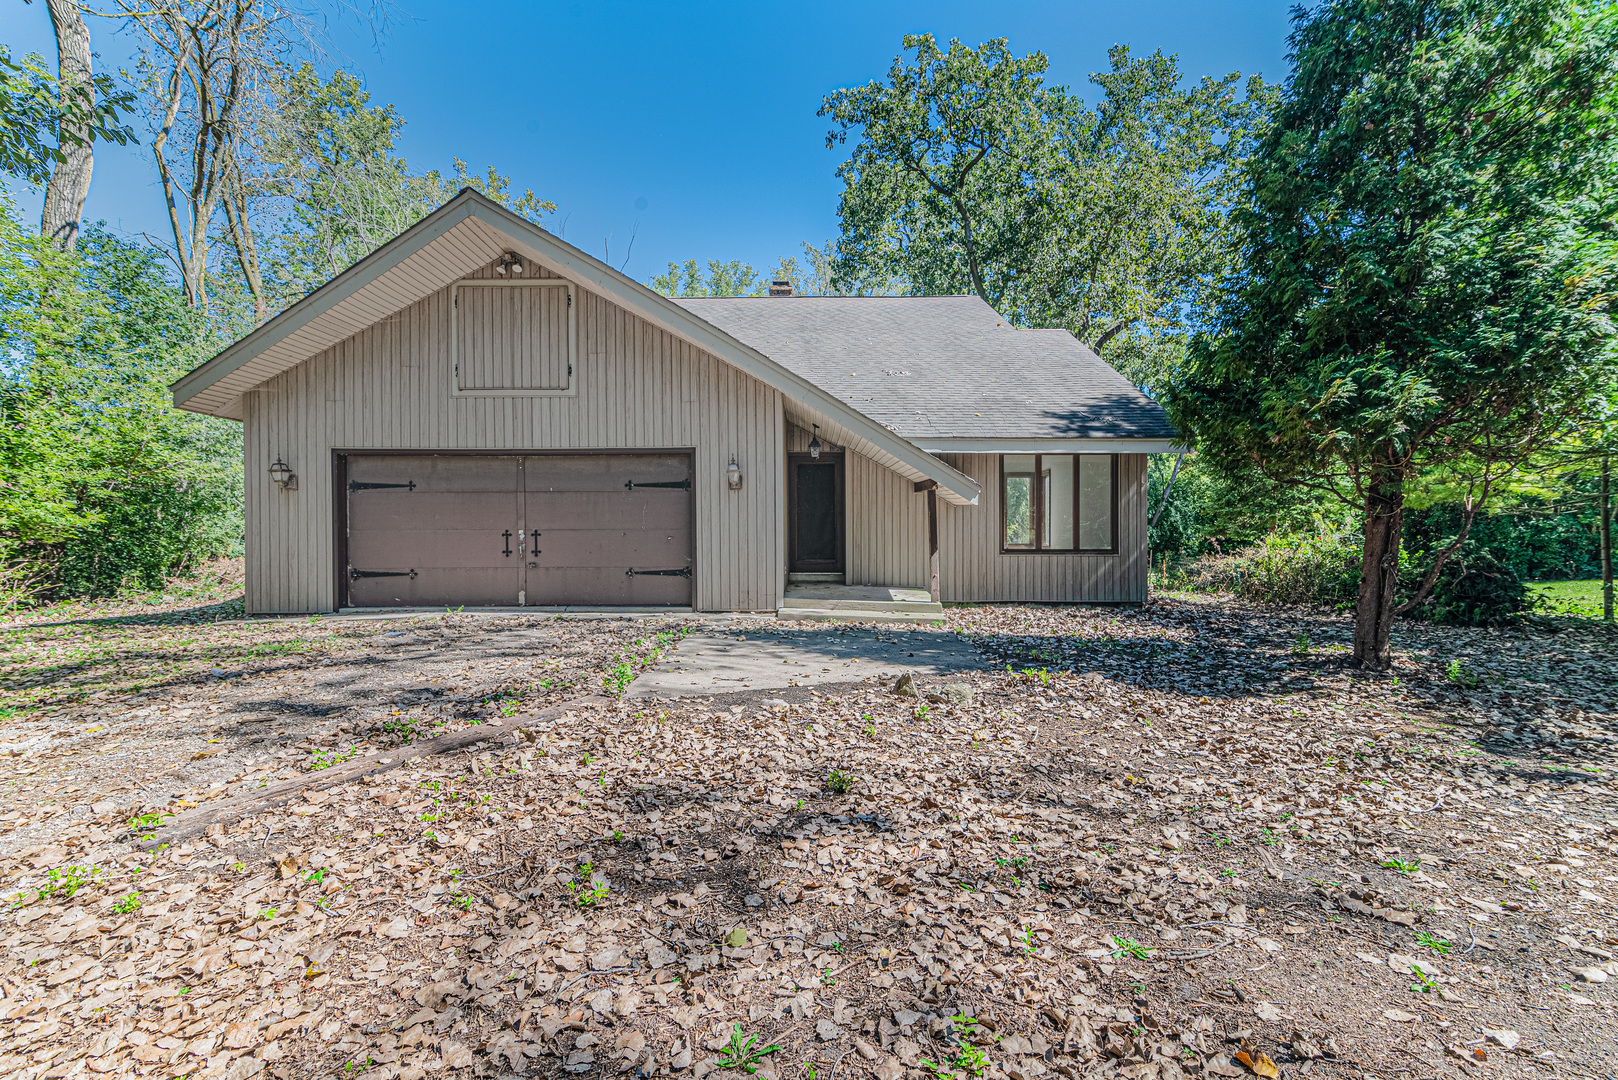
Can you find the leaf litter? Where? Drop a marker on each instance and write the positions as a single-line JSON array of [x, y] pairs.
[[1149, 844]]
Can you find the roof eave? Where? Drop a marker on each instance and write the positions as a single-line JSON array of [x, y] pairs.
[[1043, 445]]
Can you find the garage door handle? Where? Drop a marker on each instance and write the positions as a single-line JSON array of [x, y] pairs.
[[355, 575], [683, 485], [683, 572]]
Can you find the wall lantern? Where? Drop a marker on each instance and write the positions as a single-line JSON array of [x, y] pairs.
[[814, 443], [282, 474], [733, 474]]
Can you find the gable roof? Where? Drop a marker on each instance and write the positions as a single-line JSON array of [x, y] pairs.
[[946, 371], [469, 232]]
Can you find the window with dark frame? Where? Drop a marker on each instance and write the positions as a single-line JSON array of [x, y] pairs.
[[1058, 502]]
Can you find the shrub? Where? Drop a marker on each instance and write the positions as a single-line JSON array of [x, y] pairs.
[[1475, 588], [1297, 568]]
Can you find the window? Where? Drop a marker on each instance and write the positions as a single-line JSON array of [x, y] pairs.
[[1058, 502]]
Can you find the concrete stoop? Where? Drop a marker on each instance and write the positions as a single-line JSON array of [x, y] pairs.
[[858, 603]]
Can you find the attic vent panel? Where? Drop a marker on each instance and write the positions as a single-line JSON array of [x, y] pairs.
[[515, 337]]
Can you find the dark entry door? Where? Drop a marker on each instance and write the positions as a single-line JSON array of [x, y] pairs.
[[815, 499]]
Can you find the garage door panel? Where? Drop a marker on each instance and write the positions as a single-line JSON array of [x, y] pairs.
[[560, 548], [468, 512], [434, 587], [447, 472], [605, 586], [420, 549], [604, 472], [656, 511], [444, 516]]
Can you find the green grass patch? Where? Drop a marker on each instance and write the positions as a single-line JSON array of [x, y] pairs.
[[1578, 598]]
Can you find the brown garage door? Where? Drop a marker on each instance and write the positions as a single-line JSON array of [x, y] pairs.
[[551, 529]]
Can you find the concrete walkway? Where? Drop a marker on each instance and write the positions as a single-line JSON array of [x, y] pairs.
[[713, 662]]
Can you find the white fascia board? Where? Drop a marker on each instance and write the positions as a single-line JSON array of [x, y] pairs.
[[1049, 446]]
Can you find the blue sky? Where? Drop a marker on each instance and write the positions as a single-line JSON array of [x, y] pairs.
[[690, 127]]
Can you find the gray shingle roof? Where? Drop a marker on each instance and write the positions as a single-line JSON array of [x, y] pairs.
[[941, 366]]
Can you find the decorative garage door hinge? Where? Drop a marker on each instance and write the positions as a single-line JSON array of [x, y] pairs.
[[683, 485], [355, 485], [355, 575], [683, 572]]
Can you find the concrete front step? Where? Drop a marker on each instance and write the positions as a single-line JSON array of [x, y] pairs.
[[830, 604], [855, 614]]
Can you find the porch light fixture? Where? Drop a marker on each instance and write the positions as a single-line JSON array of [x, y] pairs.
[[283, 475], [510, 262], [814, 443], [733, 474]]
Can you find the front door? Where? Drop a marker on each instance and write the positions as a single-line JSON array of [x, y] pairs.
[[815, 508]]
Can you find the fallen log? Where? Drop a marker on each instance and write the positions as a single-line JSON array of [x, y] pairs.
[[196, 822]]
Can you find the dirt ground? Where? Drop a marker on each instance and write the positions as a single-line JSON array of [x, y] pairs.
[[1180, 840]]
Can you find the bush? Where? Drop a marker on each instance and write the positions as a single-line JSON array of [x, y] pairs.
[[1475, 588], [1285, 568]]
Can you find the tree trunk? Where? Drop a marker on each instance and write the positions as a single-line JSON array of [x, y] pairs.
[[69, 184], [1606, 539], [1379, 572]]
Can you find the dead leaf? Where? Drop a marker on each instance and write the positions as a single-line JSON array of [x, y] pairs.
[[1259, 1062]]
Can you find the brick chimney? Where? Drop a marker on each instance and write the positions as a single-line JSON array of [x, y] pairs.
[[780, 287]]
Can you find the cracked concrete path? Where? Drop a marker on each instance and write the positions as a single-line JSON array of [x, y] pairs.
[[775, 658]]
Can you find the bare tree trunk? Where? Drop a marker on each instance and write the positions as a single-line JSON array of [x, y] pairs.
[[69, 184], [1606, 539], [1379, 571]]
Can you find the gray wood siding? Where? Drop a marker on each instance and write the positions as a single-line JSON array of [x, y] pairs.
[[887, 541], [638, 387]]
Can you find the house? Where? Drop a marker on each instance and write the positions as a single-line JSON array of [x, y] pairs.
[[480, 414]]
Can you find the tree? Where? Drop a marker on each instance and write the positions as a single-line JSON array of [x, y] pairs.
[[733, 278], [69, 183], [970, 174], [102, 481], [327, 188], [36, 115], [1426, 292]]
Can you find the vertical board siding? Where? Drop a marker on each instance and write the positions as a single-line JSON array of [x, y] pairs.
[[887, 541], [389, 388]]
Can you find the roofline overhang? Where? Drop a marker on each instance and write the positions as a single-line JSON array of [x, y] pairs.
[[955, 486], [1048, 446]]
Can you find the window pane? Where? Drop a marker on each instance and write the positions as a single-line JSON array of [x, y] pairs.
[[1019, 496], [1058, 500], [1095, 501]]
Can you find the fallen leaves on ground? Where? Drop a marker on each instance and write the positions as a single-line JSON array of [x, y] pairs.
[[1149, 844]]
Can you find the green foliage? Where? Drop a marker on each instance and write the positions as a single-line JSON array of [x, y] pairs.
[[1321, 567], [969, 173], [338, 190], [36, 118], [733, 278], [128, 905], [102, 482], [740, 1054], [1131, 948], [1474, 588], [839, 782], [1426, 289], [66, 881]]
